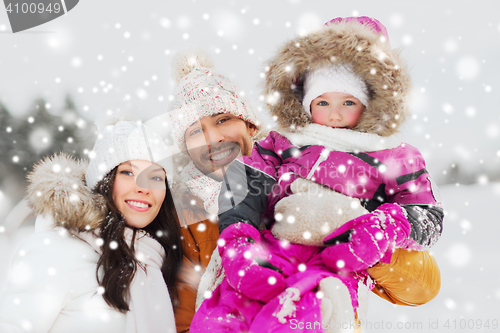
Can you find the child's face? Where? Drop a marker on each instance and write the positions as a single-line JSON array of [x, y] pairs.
[[337, 110]]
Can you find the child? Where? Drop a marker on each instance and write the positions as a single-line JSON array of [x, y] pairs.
[[339, 95]]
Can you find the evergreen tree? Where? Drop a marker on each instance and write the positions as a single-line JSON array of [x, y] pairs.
[[6, 138], [40, 134]]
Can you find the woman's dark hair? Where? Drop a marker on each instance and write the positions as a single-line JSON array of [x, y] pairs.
[[118, 265]]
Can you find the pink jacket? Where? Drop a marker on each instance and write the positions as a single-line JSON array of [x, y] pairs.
[[396, 175]]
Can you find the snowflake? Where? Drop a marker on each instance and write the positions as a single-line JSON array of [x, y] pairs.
[[468, 68]]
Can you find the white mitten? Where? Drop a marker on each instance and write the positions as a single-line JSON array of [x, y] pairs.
[[312, 213], [211, 279], [336, 307]]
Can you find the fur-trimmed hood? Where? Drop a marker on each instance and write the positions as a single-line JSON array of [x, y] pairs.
[[57, 188], [370, 56]]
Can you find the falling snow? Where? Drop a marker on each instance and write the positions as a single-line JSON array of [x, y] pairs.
[[451, 46], [468, 68], [126, 59], [309, 22]]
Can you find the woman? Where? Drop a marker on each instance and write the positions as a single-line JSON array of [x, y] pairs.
[[105, 252]]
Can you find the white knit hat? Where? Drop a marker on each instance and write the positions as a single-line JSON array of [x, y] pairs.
[[334, 78], [125, 141], [202, 92]]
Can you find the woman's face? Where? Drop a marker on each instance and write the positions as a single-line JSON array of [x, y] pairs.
[[139, 191]]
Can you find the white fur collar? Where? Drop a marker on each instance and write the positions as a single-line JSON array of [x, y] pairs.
[[341, 139]]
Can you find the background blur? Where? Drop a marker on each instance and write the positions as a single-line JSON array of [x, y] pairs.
[[55, 79]]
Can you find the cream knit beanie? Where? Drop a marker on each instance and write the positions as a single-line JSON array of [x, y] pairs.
[[125, 141]]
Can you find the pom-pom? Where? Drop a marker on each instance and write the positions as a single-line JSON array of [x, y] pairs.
[[185, 61]]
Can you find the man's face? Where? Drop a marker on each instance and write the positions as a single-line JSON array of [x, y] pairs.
[[215, 141]]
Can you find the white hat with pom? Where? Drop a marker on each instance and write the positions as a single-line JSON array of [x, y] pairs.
[[122, 139], [201, 92]]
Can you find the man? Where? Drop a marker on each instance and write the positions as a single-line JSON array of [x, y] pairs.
[[212, 126]]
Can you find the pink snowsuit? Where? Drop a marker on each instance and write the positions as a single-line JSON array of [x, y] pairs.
[[228, 310]]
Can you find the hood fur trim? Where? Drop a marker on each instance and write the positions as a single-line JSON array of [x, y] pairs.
[[57, 188], [372, 59]]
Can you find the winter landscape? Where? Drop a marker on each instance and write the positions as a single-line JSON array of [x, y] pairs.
[[58, 77]]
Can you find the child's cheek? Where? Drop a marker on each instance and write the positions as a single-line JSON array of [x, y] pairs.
[[354, 119], [318, 117]]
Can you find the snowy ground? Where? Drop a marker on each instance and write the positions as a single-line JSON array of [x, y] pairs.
[[467, 255]]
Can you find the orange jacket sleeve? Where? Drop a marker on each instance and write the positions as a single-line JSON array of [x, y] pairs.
[[187, 286], [187, 282], [206, 234], [199, 240], [412, 278]]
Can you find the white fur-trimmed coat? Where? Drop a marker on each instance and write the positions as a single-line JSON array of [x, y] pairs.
[[53, 285]]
